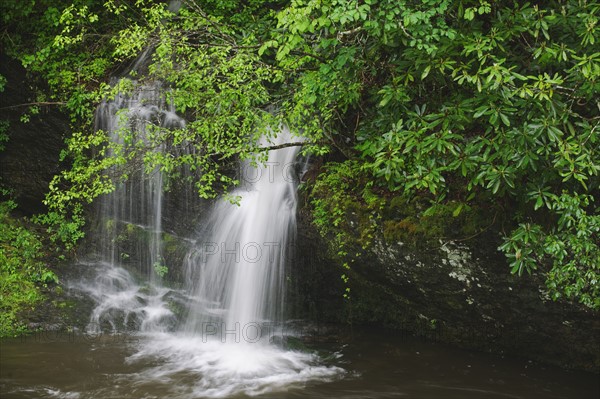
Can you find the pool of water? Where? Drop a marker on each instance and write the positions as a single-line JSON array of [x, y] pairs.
[[363, 364]]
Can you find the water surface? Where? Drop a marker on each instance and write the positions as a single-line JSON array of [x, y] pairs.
[[365, 364]]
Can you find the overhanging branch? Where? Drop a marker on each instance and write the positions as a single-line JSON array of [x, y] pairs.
[[292, 144]]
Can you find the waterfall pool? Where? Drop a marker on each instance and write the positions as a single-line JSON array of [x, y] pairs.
[[358, 364]]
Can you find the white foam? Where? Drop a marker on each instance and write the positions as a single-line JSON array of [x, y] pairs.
[[213, 369]]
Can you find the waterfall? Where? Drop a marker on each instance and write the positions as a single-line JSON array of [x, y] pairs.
[[233, 274], [129, 220], [139, 200], [236, 270], [235, 277]]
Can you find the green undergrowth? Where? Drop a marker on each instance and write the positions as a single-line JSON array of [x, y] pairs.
[[23, 273]]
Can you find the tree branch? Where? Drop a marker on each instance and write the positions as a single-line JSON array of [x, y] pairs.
[[37, 103], [340, 35], [292, 144]]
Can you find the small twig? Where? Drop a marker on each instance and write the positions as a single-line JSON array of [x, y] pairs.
[[474, 235], [340, 35], [405, 31]]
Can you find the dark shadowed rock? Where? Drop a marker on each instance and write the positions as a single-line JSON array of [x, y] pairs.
[[31, 156], [453, 292]]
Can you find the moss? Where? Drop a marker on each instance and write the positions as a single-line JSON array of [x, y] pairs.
[[178, 309], [145, 290], [131, 228], [400, 230], [349, 212], [109, 224], [345, 209], [415, 223], [172, 245]]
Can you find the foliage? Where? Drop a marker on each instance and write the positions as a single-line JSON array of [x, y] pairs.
[[4, 125], [335, 195], [467, 101], [160, 269], [22, 271], [346, 214], [573, 249], [460, 103], [216, 80]]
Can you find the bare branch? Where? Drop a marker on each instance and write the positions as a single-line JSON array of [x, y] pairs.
[[44, 103], [292, 144]]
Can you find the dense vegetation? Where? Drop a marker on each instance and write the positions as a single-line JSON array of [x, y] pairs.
[[456, 105], [22, 271]]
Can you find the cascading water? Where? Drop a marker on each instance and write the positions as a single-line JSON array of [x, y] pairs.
[[235, 278], [133, 209], [233, 275], [236, 270], [139, 200]]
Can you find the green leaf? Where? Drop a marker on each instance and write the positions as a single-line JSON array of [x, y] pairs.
[[425, 72]]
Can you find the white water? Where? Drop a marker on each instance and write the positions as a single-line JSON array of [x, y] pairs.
[[197, 368], [132, 213], [122, 304], [236, 271], [234, 276], [139, 200]]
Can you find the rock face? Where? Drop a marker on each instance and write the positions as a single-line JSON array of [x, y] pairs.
[[314, 288], [459, 293], [31, 156]]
